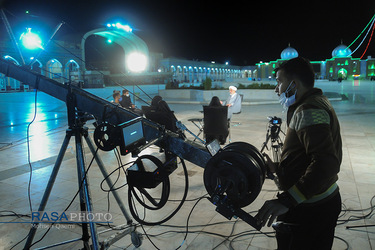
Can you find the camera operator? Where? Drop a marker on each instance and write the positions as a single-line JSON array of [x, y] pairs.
[[309, 203]]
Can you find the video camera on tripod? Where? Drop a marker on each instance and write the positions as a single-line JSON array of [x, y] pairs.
[[273, 133], [274, 126]]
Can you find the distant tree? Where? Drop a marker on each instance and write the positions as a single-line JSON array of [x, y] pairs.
[[207, 84]]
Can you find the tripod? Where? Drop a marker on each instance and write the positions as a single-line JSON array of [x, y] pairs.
[[76, 129], [273, 131]]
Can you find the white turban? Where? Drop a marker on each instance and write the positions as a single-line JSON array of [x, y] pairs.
[[233, 87]]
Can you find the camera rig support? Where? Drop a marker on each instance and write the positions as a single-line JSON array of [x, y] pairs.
[[229, 192]]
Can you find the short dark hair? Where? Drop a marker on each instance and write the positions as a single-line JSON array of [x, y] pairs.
[[299, 68], [116, 94], [124, 91]]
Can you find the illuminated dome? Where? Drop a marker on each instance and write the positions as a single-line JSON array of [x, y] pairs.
[[341, 51], [289, 53]]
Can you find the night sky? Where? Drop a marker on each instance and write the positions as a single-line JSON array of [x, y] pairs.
[[241, 32]]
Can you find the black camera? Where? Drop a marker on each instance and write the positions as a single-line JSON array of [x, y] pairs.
[[128, 135], [274, 120]]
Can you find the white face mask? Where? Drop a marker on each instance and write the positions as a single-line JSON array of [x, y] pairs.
[[286, 102], [127, 95]]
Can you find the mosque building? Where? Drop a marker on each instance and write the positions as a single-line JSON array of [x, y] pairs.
[[341, 66], [66, 61]]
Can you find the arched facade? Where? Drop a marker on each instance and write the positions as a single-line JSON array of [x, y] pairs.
[[54, 70], [72, 71], [7, 82], [135, 48], [187, 71], [36, 65]]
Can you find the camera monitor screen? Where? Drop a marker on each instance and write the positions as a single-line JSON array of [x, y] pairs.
[[213, 147], [132, 135]]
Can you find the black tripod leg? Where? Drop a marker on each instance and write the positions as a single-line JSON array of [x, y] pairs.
[[108, 180], [48, 190], [85, 200], [265, 143]]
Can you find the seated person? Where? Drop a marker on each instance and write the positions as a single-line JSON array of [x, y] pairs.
[[126, 102], [215, 121], [215, 102], [233, 102], [160, 112], [116, 97]]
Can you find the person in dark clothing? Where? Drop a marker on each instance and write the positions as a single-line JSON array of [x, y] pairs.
[[126, 102], [215, 102], [309, 203], [216, 123], [160, 112], [155, 101]]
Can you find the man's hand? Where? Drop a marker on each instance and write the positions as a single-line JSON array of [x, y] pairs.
[[269, 211]]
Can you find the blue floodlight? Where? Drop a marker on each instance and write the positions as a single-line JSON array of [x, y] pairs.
[[118, 25], [127, 28], [124, 27], [31, 40]]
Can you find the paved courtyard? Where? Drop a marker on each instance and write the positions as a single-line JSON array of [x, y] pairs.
[[206, 228]]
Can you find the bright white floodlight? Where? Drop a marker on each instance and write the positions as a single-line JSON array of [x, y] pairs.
[[31, 40], [136, 62]]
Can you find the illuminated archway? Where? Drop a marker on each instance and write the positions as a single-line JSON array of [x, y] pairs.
[[36, 66], [135, 49], [54, 70], [8, 82], [343, 73], [70, 67]]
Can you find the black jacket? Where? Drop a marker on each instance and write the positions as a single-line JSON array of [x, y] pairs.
[[312, 150]]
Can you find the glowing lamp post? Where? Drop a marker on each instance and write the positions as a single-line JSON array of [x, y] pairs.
[[31, 40]]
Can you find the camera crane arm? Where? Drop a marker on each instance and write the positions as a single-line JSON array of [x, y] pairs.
[[96, 106], [239, 163]]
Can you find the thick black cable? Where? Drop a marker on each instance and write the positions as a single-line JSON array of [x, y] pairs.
[[157, 205], [142, 221], [187, 221], [356, 217], [119, 163], [115, 170], [226, 238], [28, 149]]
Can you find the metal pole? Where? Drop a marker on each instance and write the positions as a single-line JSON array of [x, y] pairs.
[[85, 200], [10, 32], [53, 34], [48, 190], [108, 180]]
